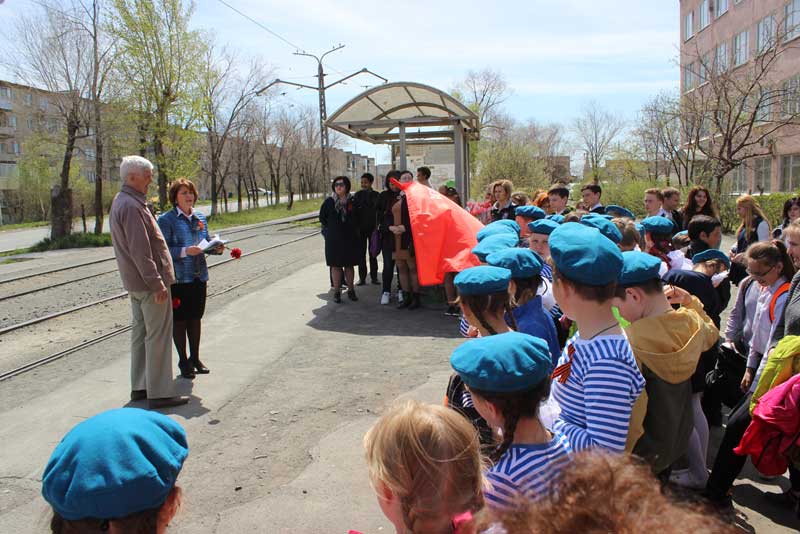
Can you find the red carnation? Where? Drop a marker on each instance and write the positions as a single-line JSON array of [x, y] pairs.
[[236, 253], [176, 303]]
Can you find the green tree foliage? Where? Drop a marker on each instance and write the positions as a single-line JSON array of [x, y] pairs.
[[39, 169], [510, 158]]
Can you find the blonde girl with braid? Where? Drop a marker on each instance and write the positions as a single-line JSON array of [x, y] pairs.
[[425, 466]]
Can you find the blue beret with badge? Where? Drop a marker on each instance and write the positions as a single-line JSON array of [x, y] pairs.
[[606, 227], [530, 212], [619, 211], [503, 363], [522, 262], [543, 226], [584, 255], [482, 280], [498, 227], [114, 464], [494, 243], [658, 225], [556, 218], [712, 254], [638, 267]]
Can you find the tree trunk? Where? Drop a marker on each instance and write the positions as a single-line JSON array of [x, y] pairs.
[[61, 195], [158, 145], [214, 171], [98, 170]]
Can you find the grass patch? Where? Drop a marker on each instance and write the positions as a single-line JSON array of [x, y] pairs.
[[18, 226], [226, 220], [79, 240]]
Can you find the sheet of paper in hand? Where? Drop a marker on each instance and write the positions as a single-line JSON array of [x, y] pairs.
[[208, 246]]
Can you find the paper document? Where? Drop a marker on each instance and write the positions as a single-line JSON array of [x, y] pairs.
[[214, 243]]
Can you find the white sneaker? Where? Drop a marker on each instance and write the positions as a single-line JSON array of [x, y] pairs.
[[399, 297], [385, 297]]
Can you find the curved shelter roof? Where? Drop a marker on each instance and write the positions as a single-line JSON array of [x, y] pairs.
[[375, 114]]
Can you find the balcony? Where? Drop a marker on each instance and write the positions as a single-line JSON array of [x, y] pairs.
[[7, 131], [5, 104]]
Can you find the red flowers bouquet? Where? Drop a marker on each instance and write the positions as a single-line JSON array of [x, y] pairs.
[[176, 303], [236, 253]]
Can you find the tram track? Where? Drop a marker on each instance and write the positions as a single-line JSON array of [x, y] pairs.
[[121, 330]]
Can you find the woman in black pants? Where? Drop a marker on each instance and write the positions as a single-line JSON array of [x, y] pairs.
[[386, 200]]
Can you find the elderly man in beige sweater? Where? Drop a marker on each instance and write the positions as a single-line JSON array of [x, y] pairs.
[[146, 269]]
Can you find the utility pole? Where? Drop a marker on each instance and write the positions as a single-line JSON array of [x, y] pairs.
[[321, 88]]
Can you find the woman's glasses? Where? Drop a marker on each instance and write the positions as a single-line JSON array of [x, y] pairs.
[[338, 184]]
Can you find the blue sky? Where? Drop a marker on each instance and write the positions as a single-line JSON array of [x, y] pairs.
[[555, 54]]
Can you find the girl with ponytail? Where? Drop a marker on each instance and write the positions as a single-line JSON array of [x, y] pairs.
[[508, 377]]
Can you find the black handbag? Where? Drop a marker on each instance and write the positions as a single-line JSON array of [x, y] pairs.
[[726, 378]]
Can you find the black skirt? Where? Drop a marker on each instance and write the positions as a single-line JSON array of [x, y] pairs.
[[188, 300]]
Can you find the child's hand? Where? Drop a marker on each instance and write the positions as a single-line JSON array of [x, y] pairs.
[[472, 331], [677, 295]]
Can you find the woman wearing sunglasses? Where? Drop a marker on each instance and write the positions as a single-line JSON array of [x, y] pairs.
[[340, 227]]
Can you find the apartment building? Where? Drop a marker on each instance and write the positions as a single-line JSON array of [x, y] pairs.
[[728, 35]]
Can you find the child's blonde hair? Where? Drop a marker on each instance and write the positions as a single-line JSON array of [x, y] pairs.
[[429, 457]]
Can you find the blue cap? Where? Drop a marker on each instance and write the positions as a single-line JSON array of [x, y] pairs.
[[597, 216], [556, 218], [498, 227], [606, 227], [638, 267], [619, 211], [530, 212], [658, 225], [584, 255], [115, 464], [640, 228], [712, 254], [493, 243], [504, 363], [542, 226], [482, 280], [522, 262]]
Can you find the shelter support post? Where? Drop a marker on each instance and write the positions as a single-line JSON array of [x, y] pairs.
[[458, 145], [402, 139]]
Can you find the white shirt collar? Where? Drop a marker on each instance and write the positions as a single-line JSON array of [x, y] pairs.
[[180, 212]]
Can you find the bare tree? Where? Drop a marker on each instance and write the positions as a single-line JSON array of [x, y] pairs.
[[484, 92], [53, 53], [595, 131]]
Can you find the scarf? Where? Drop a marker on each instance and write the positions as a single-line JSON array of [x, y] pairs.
[[342, 206]]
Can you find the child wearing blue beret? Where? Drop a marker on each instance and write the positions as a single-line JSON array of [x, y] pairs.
[[528, 311], [538, 240], [658, 233], [524, 215], [667, 344], [508, 377], [498, 227], [597, 379]]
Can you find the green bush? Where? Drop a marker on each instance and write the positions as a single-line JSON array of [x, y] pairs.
[[80, 240]]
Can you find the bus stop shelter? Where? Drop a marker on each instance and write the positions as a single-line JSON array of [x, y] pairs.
[[407, 113]]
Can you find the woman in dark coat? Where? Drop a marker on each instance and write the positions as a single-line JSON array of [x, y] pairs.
[[340, 227]]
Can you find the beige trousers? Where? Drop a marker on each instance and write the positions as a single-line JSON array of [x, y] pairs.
[[151, 345]]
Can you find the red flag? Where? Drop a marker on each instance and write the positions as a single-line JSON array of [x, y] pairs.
[[443, 233]]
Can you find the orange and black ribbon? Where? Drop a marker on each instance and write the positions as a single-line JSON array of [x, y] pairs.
[[562, 371]]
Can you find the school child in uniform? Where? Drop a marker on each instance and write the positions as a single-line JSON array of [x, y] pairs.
[[630, 235], [425, 466], [539, 234], [524, 215], [658, 232], [606, 227], [667, 344], [618, 212], [508, 376], [597, 379], [528, 311]]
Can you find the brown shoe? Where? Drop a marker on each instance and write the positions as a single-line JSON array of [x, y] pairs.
[[138, 395], [166, 402]]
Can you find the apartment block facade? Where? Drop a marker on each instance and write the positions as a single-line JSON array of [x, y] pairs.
[[730, 34]]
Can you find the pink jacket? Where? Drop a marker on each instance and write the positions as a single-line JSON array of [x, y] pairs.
[[775, 428]]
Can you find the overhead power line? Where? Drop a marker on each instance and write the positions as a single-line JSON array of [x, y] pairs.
[[260, 25]]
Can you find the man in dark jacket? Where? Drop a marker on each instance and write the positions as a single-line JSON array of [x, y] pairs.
[[366, 201]]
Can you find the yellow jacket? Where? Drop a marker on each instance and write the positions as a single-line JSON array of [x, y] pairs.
[[783, 363]]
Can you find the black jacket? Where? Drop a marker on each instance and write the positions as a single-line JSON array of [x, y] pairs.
[[366, 201]]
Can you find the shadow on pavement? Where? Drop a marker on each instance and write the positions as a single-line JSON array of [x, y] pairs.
[[191, 410], [748, 496]]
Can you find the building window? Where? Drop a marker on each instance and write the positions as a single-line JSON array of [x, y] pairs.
[[737, 2], [28, 99], [5, 92], [30, 123], [688, 26], [720, 7], [792, 20], [763, 175], [741, 48], [763, 107], [43, 104], [702, 14], [8, 170], [91, 176], [790, 97], [739, 180], [790, 172], [12, 121], [91, 155], [765, 34], [689, 81], [721, 58]]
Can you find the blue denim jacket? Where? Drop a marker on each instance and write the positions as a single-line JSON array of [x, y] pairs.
[[180, 233]]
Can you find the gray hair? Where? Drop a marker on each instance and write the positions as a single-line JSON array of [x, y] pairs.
[[133, 164]]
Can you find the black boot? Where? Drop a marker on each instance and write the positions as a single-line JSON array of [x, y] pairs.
[[351, 294], [198, 367], [406, 300], [186, 367], [337, 296], [415, 302]]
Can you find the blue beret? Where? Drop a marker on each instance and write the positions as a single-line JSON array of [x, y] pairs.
[[114, 464], [530, 212], [638, 267], [712, 254], [543, 226], [682, 232], [640, 228], [493, 243], [556, 218], [482, 280], [498, 227], [619, 211], [504, 363], [522, 262], [597, 216], [584, 255], [606, 227], [658, 225]]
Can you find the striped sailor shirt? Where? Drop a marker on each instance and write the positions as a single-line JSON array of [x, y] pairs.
[[595, 384], [527, 471]]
